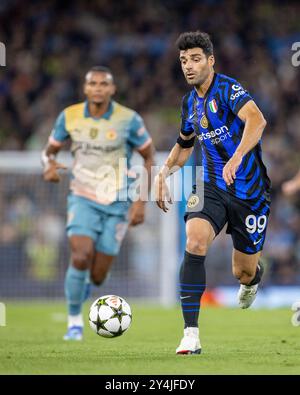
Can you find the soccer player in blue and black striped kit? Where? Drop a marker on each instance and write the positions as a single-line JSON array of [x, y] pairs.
[[223, 117]]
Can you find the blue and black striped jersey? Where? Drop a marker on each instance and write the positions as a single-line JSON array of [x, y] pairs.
[[219, 130]]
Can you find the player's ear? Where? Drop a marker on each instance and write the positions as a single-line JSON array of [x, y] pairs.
[[113, 89], [211, 60]]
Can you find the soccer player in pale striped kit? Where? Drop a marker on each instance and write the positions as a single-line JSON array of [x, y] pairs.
[[103, 133]]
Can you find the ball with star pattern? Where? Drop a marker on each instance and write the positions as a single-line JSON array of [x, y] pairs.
[[110, 316]]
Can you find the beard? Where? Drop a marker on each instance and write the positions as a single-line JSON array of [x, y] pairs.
[[194, 81], [197, 80]]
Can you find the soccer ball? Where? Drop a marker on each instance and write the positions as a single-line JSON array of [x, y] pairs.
[[110, 316]]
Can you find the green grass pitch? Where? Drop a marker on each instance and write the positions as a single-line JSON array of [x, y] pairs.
[[234, 342]]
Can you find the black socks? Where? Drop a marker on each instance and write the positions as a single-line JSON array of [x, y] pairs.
[[192, 285]]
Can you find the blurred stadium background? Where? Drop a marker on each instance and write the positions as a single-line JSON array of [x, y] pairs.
[[50, 45]]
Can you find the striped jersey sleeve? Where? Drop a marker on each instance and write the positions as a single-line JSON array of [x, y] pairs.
[[236, 96], [187, 115]]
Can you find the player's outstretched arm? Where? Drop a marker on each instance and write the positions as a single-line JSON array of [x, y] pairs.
[[292, 186], [254, 127], [178, 156], [49, 163]]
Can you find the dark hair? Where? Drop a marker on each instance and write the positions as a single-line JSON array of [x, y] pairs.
[[101, 69], [196, 39]]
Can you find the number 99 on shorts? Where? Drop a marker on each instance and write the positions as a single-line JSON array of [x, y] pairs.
[[254, 223]]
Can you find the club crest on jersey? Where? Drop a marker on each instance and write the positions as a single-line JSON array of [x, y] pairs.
[[111, 134], [193, 201], [213, 106], [204, 122], [93, 133]]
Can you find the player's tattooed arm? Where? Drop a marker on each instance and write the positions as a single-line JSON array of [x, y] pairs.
[[176, 159], [50, 165], [254, 126]]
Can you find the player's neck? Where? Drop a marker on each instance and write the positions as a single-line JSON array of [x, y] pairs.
[[97, 110], [202, 89]]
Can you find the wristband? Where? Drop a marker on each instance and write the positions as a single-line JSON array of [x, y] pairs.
[[186, 143]]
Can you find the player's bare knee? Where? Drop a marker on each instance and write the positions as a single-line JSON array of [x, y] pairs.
[[197, 245], [82, 259]]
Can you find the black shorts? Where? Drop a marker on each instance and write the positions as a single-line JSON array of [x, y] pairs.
[[247, 219]]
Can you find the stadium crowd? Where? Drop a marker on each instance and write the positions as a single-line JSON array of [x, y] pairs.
[[50, 44]]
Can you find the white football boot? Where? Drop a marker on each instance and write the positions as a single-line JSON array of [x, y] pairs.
[[75, 328], [247, 295], [190, 343], [74, 333]]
